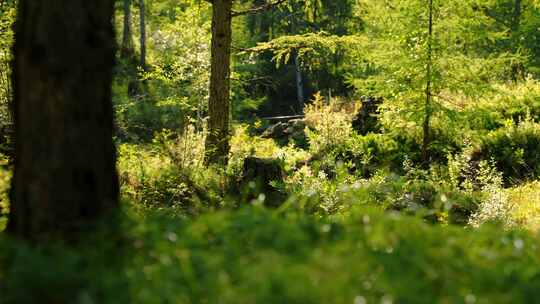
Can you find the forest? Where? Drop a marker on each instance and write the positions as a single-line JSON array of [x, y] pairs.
[[269, 151]]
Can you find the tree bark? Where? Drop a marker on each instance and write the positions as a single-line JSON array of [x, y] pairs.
[[64, 172], [217, 141], [127, 50]]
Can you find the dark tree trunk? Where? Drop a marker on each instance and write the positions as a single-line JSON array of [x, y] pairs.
[[298, 68], [64, 174], [299, 82], [217, 142], [127, 50], [142, 25], [141, 83]]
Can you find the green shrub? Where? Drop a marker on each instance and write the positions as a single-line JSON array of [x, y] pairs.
[[170, 173], [426, 193], [329, 125], [138, 120], [507, 102], [514, 149], [524, 202]]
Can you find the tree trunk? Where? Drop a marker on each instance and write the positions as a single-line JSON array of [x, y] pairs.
[[427, 106], [127, 50], [299, 81], [64, 173], [297, 68], [142, 12], [217, 141]]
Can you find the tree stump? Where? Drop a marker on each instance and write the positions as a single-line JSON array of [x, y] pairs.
[[257, 178]]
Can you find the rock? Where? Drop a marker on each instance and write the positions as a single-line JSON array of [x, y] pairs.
[[275, 131], [285, 132]]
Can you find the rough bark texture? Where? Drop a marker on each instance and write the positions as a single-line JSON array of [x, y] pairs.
[[127, 50], [217, 142], [64, 175]]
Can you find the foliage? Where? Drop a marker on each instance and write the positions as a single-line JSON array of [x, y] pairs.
[[507, 102], [412, 64], [310, 31], [243, 145], [177, 75], [514, 148], [495, 207], [525, 203], [257, 256], [181, 59], [329, 125], [7, 18], [170, 173], [5, 181], [313, 48], [362, 221], [138, 120]]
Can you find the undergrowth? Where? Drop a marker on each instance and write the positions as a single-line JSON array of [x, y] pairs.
[[255, 255]]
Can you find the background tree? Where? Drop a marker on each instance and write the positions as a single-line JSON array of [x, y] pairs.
[[519, 21], [142, 25], [420, 53], [217, 142], [278, 87], [64, 173], [127, 50]]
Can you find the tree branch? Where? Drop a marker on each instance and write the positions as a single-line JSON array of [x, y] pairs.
[[259, 9]]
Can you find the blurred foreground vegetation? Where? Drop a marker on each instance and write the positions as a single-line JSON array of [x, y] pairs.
[[257, 256]]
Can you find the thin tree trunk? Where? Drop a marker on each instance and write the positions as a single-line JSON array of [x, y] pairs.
[[217, 141], [298, 69], [142, 12], [64, 173], [127, 50], [427, 109], [299, 81]]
